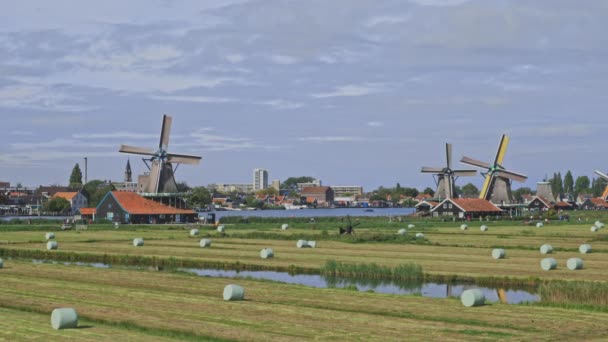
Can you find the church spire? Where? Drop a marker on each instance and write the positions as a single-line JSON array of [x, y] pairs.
[[128, 173]]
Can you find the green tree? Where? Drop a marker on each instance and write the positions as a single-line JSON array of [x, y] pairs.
[[292, 182], [252, 202], [520, 192], [568, 182], [57, 205], [76, 177], [200, 197], [183, 187], [96, 190], [429, 191], [598, 185], [581, 185], [470, 190]]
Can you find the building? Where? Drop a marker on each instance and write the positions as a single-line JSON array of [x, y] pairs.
[[230, 188], [276, 184], [543, 189], [315, 182], [468, 208], [77, 199], [86, 214], [539, 203], [425, 206], [347, 190], [128, 185], [322, 195], [5, 185], [595, 203], [50, 191], [563, 206], [128, 207], [260, 179]]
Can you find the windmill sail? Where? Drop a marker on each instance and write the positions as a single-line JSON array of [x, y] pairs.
[[445, 175]]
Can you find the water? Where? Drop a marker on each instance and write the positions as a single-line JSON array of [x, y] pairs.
[[339, 212], [78, 263], [432, 290]]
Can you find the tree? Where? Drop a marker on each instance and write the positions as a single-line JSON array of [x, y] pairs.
[[252, 202], [429, 191], [470, 190], [183, 187], [57, 205], [292, 182], [598, 185], [76, 177], [568, 182], [200, 197], [96, 190], [581, 185], [519, 193]]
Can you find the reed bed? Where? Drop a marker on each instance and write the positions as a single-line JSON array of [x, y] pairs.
[[404, 272], [575, 293]]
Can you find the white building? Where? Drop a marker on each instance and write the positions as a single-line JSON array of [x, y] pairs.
[[260, 179], [347, 190], [233, 187]]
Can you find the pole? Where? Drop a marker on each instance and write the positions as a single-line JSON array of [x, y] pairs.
[[86, 170]]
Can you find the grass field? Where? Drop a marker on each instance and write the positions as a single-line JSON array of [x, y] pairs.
[[138, 304]]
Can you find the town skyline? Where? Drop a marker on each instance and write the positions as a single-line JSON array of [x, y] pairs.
[[368, 94]]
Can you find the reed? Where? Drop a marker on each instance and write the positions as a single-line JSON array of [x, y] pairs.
[[574, 293], [404, 272]]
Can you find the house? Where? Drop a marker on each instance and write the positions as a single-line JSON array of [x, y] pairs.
[[582, 198], [50, 191], [323, 195], [425, 206], [594, 204], [86, 213], [423, 197], [539, 203], [129, 207], [77, 199], [527, 198], [561, 205], [466, 208]]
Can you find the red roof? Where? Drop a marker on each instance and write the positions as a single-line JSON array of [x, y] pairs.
[[67, 195], [315, 190], [134, 204], [474, 204], [87, 211], [600, 202], [543, 200], [563, 204]]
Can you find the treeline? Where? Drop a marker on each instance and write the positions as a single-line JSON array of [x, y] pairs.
[[582, 185]]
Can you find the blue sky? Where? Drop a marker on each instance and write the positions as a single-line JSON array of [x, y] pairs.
[[352, 92]]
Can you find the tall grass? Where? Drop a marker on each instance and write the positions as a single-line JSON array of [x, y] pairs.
[[575, 293], [404, 272]]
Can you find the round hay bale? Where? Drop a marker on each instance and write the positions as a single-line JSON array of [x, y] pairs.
[[312, 244], [302, 244], [419, 236], [194, 232], [595, 229], [138, 242], [585, 249], [204, 243], [574, 264], [285, 226], [546, 249], [402, 231], [51, 245], [473, 297], [234, 292], [599, 224], [483, 228], [1, 263], [220, 229], [498, 253], [540, 225], [464, 227], [267, 253], [64, 318], [548, 264], [411, 226], [49, 236]]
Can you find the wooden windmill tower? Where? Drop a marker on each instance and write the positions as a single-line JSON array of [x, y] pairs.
[[604, 177], [445, 176], [497, 185], [160, 163]]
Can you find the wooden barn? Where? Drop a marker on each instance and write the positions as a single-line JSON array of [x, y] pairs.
[[594, 204], [468, 208], [425, 206], [129, 207], [539, 203]]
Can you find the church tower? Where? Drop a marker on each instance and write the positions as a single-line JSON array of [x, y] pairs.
[[128, 173]]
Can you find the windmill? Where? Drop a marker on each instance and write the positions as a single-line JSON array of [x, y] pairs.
[[160, 163], [445, 177], [604, 177], [497, 185]]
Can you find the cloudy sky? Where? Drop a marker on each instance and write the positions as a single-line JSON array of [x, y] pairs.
[[352, 92]]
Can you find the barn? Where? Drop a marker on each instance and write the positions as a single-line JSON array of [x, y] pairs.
[[468, 208], [129, 207], [539, 203]]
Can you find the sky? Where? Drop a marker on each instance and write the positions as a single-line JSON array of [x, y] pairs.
[[352, 92]]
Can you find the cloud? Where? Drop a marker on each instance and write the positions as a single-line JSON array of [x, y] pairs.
[[383, 20], [573, 130], [57, 143], [103, 55], [40, 97], [215, 142], [352, 90], [322, 139], [116, 135], [284, 59], [281, 104], [198, 99], [22, 133], [439, 3], [235, 58], [375, 124]]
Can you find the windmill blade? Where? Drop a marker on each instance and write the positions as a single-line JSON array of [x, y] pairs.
[[448, 154], [155, 176], [502, 149], [464, 173], [485, 189], [474, 162], [165, 132], [601, 174], [183, 159], [136, 150], [511, 175], [427, 169]]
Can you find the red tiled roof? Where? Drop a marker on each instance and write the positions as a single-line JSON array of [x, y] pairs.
[[134, 204], [543, 200], [310, 199], [475, 204], [67, 195], [431, 203], [600, 202], [315, 190], [87, 211], [563, 204]]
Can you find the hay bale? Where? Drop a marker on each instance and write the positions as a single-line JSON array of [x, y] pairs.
[[49, 236], [204, 243], [194, 232], [464, 227], [267, 253], [473, 297], [64, 318], [599, 224], [419, 236], [1, 263], [312, 244], [302, 244], [51, 245], [402, 231], [548, 264], [539, 225], [546, 249], [411, 226], [138, 242], [220, 229], [595, 229], [234, 292], [498, 253], [574, 264], [585, 249], [483, 228], [285, 226]]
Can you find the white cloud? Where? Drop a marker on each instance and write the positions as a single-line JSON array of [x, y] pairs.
[[22, 133], [375, 124], [235, 58], [40, 97], [284, 59], [383, 20], [352, 90], [322, 139], [115, 135], [439, 2], [198, 99], [103, 55], [281, 104]]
